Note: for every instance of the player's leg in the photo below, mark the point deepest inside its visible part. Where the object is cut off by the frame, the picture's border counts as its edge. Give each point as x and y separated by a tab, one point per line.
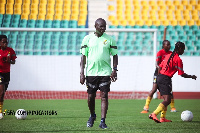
166	102
91	90
153	90
104	108
149	98
6	79
172	106
164	84
2	92
91	103
104	89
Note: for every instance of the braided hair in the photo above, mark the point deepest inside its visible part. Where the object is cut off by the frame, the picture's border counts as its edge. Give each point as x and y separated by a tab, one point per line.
178	45
2	36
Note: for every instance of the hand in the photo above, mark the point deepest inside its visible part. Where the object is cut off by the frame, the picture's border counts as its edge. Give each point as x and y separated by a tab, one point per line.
194	77
82	78
113	76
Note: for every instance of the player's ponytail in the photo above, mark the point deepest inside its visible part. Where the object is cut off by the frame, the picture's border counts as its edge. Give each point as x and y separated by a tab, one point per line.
178	45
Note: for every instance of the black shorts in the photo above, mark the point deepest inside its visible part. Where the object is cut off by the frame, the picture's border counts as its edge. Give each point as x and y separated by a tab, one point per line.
5	78
95	83
155	75
164	84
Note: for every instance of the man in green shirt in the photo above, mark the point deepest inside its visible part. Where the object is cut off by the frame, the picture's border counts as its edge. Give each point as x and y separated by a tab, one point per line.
96	48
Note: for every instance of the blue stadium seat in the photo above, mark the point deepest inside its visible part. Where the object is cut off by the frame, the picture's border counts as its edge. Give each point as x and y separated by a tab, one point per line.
1	19
15	20
56	24
189	32
73	24
64	24
192	37
22	23
47	23
39	23
186	28
194	28
197	43
6	22
31	23
196	53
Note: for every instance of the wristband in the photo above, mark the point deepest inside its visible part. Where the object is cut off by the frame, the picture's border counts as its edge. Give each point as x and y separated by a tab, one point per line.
115	68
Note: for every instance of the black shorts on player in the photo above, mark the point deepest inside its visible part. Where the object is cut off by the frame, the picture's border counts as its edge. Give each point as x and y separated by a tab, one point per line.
95	83
155	75
5	79
164	84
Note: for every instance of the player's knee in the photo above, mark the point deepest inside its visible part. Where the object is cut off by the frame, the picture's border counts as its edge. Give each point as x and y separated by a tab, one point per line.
104	95
91	96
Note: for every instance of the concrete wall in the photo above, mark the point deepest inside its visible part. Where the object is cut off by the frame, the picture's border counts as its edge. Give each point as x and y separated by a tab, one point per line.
61	73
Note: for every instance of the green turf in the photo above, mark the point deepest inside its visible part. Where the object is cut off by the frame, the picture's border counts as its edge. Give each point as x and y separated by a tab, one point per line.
123	116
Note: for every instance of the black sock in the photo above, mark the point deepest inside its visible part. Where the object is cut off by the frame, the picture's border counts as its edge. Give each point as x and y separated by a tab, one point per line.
93	115
103	120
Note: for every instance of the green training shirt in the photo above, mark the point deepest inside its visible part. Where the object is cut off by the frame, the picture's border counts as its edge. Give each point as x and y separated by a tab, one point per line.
98	51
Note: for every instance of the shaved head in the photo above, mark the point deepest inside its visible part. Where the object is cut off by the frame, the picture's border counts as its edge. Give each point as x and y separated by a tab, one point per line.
100	21
100	25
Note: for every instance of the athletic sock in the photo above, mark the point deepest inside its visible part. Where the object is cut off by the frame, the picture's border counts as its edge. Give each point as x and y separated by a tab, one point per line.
160	108
93	115
172	104
163	113
148	100
103	120
1	107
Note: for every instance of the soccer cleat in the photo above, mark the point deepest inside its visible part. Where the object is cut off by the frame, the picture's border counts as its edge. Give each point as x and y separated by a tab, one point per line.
1	116
146	109
91	120
173	110
103	125
164	120
153	117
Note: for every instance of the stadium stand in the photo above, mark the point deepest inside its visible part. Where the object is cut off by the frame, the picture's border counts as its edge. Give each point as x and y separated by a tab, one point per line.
181	17
44	14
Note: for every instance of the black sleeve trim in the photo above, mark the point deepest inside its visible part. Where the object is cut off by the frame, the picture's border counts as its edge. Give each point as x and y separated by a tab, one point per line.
83	46
115	47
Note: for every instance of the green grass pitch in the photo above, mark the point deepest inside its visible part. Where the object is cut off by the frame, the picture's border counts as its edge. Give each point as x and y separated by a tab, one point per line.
123	116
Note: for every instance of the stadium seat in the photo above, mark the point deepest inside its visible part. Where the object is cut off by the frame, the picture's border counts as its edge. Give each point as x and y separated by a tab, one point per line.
190	22
56	24
192	37
73	24
182	22
173	22
183	38
178	28
31	23
6	22
194	28
189	32
197	43
186	28
196	53
190	48
39	23
175	38
180	7
47	23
